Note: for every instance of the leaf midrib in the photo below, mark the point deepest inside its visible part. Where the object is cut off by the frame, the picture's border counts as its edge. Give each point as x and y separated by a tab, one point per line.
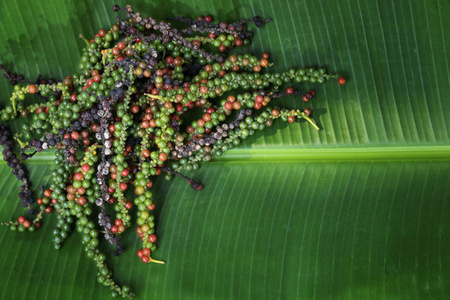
340	154
311	154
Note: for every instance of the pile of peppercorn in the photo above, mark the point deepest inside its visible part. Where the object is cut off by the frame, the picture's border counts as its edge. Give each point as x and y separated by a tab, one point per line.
151	100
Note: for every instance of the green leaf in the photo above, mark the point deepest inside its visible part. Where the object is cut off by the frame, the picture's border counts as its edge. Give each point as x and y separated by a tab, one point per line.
359	209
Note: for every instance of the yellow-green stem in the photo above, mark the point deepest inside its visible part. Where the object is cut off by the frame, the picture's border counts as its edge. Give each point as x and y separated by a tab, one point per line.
84	39
310	121
156	261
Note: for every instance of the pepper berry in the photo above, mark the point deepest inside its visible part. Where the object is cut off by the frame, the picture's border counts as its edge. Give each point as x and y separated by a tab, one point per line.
341	80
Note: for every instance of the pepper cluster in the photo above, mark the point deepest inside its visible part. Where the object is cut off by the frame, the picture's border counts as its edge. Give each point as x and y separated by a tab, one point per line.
26	195
150	100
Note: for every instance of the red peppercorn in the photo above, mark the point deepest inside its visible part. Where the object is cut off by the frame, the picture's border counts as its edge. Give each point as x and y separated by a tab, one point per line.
263	62
81	190
207	117
139	253
26	223
178	107
118	222
128	205
158	171
162	156
139	230
82	200
289	90
115	51
203	89
85	168
201	122
75	135
152	238
21	219
78	176
341	80
169	59
228	105
145	259
134	109
84	133
114	229
123	186
146	251
177	61
32	89
146	153
125	172
307	111
95	127
121	45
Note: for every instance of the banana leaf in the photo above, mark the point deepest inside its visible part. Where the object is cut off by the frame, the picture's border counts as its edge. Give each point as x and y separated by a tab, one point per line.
359	209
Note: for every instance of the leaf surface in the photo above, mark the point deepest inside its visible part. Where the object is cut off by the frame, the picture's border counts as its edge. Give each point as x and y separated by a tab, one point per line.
359	209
